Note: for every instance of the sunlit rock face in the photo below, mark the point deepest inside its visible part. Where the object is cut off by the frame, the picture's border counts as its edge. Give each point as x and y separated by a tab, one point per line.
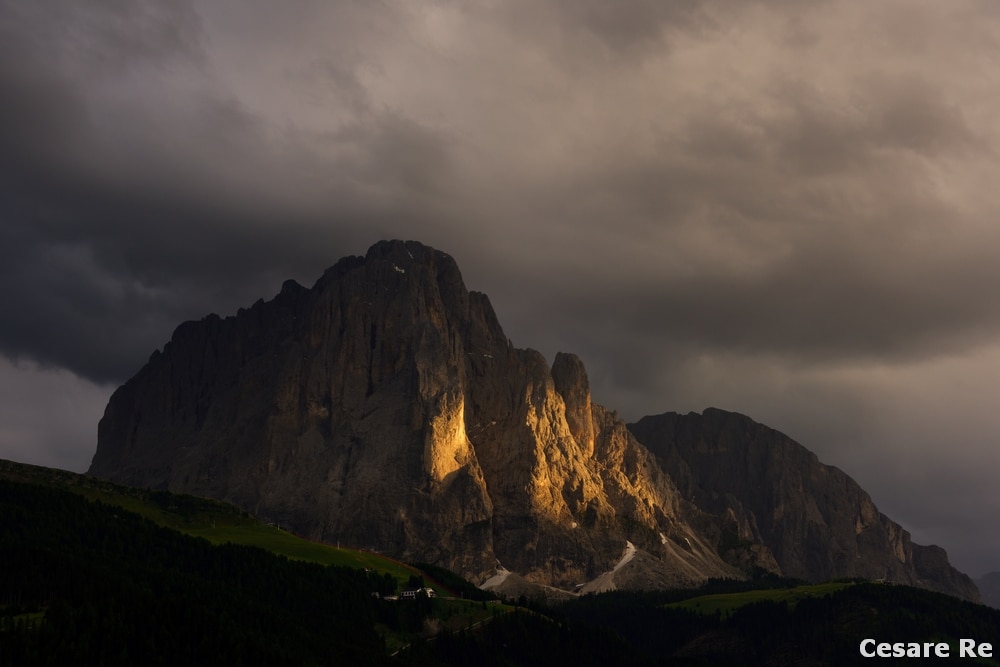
769	490
385	408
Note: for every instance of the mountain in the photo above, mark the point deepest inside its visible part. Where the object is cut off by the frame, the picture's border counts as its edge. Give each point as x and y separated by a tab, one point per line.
815	520
385	408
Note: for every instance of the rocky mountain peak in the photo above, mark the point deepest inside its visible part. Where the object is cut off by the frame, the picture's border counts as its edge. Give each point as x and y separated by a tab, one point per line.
385	408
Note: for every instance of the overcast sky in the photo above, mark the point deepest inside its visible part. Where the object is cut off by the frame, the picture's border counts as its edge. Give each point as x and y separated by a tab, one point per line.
786	209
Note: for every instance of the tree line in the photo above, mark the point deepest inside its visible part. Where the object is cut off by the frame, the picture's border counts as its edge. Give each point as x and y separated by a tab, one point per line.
83	582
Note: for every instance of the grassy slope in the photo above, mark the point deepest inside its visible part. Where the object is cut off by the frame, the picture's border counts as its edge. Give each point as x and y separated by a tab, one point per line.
727	603
216	521
823	620
222	523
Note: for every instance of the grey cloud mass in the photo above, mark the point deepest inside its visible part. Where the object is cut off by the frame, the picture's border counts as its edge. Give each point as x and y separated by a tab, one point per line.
786	209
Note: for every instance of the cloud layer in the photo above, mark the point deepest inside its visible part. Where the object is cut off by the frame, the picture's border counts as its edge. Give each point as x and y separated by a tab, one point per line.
781	208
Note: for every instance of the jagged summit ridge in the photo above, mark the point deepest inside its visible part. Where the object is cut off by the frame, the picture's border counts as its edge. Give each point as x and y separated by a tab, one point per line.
384	407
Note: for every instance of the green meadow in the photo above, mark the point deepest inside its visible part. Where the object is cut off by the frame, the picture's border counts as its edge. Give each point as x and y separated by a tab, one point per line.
726	603
213	520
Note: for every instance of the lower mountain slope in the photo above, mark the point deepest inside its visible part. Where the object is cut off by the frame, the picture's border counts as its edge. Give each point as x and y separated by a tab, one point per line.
814	519
85	582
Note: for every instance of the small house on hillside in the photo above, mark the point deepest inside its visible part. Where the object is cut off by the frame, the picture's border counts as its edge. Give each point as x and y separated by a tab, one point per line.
412	593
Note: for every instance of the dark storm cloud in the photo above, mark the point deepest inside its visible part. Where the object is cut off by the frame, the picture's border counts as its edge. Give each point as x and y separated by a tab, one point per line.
122	217
827	305
629	25
811	236
881	117
162	192
104	37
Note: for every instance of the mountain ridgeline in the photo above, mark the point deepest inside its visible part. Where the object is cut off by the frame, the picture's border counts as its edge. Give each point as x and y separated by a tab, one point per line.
815	520
385	408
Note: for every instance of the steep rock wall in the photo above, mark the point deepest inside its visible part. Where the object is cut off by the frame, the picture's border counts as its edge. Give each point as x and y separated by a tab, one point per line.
815	520
385	408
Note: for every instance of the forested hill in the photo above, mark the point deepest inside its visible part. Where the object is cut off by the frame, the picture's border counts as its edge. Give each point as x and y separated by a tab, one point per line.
85	581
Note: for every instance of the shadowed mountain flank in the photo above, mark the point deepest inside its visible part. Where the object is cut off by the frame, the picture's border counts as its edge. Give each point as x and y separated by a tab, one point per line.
385	408
768	489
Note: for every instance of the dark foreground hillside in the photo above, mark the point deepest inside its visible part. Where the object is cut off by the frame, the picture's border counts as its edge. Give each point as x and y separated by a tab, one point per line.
87	583
822	630
640	630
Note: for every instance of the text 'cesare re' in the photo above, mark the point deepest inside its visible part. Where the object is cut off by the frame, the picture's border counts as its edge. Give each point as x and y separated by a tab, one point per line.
967	648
